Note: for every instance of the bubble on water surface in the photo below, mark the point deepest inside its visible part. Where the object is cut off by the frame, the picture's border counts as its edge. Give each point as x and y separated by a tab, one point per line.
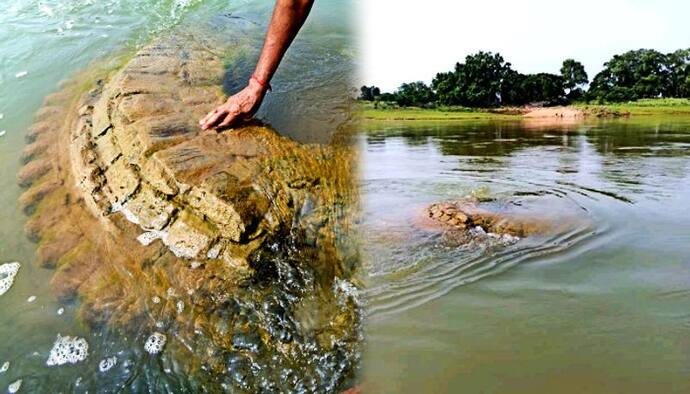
61	311
8	271
2	133
107	364
5	366
31	299
156	300
14	386
2	116
155	343
21	74
68	349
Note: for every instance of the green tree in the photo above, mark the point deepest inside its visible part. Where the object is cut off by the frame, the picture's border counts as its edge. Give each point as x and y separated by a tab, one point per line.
543	88
678	65
513	89
475	83
369	93
414	94
633	75
574	78
483	77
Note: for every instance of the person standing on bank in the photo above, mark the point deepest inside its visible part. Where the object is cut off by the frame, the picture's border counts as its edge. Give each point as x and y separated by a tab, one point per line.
288	17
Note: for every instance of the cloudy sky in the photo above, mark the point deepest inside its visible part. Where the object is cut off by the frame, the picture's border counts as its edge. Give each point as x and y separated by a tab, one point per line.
405	40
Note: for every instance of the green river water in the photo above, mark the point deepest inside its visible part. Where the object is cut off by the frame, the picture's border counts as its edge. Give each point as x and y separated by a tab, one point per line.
44	42
597	304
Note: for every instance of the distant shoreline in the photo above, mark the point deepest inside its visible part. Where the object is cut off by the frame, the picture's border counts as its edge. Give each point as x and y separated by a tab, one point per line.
646	108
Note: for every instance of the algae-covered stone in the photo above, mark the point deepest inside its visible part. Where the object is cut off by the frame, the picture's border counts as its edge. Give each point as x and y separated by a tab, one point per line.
233	232
189	236
467	214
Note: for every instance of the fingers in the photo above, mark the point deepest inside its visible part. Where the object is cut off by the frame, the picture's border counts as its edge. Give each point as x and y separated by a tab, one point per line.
230	119
213	119
207	116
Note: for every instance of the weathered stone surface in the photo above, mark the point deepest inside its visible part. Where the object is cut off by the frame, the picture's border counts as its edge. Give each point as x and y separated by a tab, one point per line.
129	200
461	215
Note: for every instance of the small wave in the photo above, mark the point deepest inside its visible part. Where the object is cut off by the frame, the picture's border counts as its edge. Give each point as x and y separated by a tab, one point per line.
449	271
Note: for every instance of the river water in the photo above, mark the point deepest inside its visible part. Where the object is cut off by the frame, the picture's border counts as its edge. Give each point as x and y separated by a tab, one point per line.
45	42
596	303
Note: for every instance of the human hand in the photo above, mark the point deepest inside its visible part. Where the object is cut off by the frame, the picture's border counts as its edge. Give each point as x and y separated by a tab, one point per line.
240	106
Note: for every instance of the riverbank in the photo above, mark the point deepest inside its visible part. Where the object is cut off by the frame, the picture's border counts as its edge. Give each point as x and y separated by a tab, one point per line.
654	107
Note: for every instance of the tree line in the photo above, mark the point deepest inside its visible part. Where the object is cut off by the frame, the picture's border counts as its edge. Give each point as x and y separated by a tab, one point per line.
485	80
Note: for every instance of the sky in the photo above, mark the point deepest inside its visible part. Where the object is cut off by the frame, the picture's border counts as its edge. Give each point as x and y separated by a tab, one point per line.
405	41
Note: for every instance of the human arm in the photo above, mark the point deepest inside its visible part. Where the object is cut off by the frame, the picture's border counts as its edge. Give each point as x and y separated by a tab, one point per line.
288	17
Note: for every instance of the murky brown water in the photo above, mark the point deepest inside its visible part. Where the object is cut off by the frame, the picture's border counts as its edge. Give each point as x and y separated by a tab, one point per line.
598	304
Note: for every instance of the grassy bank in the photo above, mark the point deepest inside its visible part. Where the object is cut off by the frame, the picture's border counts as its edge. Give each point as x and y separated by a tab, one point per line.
650	107
440	113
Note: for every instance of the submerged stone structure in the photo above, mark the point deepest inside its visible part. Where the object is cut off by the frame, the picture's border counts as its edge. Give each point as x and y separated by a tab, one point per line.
467	214
236	245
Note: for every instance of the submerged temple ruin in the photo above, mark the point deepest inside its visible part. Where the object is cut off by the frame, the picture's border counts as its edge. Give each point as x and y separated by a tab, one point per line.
237	244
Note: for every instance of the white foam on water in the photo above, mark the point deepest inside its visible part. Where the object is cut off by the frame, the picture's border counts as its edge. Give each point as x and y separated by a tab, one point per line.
68	349
2	116
2	133
346	289
21	74
61	311
45	10
5	366
31	299
180	306
8	272
156	300
14	386
503	239
155	343
107	363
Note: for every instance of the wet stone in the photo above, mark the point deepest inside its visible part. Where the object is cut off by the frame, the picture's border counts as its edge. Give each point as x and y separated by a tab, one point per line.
248	342
250	223
462	215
